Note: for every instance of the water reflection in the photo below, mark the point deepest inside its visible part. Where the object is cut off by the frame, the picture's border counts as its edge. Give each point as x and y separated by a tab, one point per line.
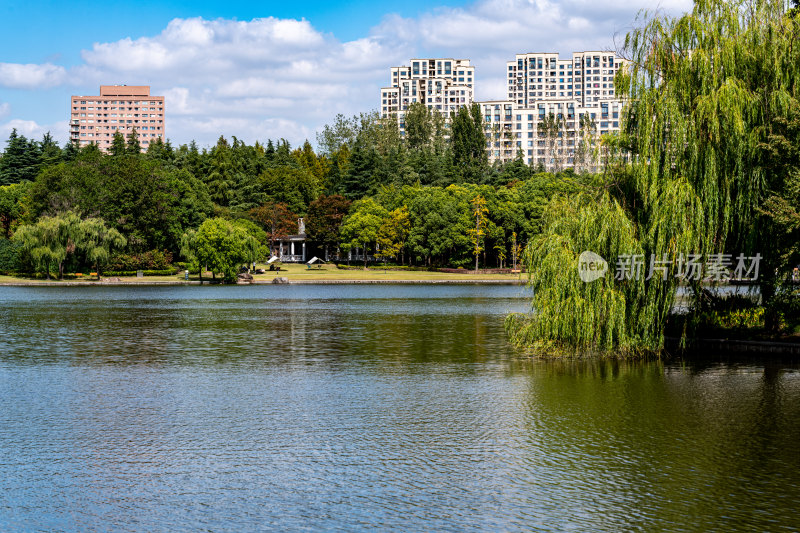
367	408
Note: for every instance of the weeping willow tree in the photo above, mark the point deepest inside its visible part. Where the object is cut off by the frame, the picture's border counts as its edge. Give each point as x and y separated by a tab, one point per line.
703	92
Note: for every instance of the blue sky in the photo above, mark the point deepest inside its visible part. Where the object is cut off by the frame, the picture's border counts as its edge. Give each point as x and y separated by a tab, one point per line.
262	70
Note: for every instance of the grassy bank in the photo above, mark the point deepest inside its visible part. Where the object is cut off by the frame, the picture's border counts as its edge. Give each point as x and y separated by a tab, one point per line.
298	273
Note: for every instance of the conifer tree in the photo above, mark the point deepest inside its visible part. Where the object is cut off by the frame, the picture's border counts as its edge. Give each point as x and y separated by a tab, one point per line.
133	147
117	145
20	160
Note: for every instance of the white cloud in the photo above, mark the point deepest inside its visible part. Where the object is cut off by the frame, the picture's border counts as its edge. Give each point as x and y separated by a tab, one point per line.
491	32
245	78
33	130
5	109
31	76
270	77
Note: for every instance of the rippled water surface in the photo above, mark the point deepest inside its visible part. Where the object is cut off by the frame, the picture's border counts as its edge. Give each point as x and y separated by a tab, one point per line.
367	407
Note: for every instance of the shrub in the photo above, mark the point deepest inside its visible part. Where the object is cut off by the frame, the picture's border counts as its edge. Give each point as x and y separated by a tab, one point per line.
150	260
786	305
163	272
10	256
746	318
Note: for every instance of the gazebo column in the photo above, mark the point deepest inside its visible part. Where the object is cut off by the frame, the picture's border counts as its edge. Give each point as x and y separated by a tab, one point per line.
304	251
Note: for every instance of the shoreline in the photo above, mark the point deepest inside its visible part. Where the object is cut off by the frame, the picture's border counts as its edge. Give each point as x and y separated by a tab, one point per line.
156	283
734	347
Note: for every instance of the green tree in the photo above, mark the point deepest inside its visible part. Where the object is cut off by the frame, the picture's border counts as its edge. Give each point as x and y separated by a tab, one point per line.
779	222
317	166
219	177
393	234
324	219
148	203
49	241
419	126
478	231
53	239
221	246
256	231
333	137
291	185
132	146
514	171
440	222
12	204
338	170
469	143
360	227
161	151
783	210
49	151
362	177
10	256
20	160
117	147
97	241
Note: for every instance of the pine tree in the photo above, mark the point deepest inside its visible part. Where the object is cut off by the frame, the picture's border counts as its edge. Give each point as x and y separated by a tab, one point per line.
133	147
361	178
70	151
117	145
49	151
20	161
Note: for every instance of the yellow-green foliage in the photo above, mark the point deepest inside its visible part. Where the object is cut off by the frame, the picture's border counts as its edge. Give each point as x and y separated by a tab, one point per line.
748	318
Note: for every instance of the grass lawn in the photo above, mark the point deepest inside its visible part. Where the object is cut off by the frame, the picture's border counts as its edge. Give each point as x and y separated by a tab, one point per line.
329	272
300	273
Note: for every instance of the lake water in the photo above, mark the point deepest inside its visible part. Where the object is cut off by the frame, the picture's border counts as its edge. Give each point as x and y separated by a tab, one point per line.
368	408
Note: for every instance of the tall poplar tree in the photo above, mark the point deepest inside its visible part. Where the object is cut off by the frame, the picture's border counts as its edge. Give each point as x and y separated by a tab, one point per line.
469	143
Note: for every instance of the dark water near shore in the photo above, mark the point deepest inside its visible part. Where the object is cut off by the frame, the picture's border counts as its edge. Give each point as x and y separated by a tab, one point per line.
367	407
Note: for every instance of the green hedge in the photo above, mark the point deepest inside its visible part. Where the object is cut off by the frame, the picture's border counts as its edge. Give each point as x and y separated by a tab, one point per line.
379	266
166	272
150	260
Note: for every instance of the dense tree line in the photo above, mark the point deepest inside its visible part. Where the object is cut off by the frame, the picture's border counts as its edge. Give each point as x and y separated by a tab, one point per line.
400	199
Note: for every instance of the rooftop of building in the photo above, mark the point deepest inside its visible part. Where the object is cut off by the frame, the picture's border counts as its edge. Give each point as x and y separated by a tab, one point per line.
123	90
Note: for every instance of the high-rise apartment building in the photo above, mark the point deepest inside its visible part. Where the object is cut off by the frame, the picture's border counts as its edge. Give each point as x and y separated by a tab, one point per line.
585	79
442	84
578	93
123	108
556	109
